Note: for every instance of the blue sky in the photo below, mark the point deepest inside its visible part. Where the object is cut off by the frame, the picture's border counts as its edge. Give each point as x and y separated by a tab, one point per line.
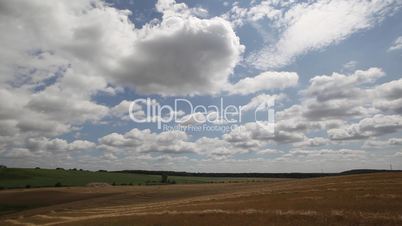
70	70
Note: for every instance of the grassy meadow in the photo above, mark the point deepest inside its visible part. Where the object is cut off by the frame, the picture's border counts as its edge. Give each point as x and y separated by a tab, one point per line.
29	178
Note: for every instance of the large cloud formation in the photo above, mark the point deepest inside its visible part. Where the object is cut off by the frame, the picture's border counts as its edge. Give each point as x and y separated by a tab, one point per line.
180	55
56	56
306	26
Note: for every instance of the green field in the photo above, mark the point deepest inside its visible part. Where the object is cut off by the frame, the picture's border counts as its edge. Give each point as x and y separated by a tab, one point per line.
20	178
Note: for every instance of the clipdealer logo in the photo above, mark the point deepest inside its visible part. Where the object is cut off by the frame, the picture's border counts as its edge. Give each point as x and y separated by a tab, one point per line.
184	115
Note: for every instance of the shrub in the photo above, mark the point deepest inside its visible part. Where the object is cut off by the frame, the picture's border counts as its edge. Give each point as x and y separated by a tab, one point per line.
58	184
114	183
164	178
28	186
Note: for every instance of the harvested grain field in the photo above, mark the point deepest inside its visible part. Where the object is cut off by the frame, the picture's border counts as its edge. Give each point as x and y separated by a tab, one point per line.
369	199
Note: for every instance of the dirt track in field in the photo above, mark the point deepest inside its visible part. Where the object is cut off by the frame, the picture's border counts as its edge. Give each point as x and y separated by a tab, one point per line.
371	199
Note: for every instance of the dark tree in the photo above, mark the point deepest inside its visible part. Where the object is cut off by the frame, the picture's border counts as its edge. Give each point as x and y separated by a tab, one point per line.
164	178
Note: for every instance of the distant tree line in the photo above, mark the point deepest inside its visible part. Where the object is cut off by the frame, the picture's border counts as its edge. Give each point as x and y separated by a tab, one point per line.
256	175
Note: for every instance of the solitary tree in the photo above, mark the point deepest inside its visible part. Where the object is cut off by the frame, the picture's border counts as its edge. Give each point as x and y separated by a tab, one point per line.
164	178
